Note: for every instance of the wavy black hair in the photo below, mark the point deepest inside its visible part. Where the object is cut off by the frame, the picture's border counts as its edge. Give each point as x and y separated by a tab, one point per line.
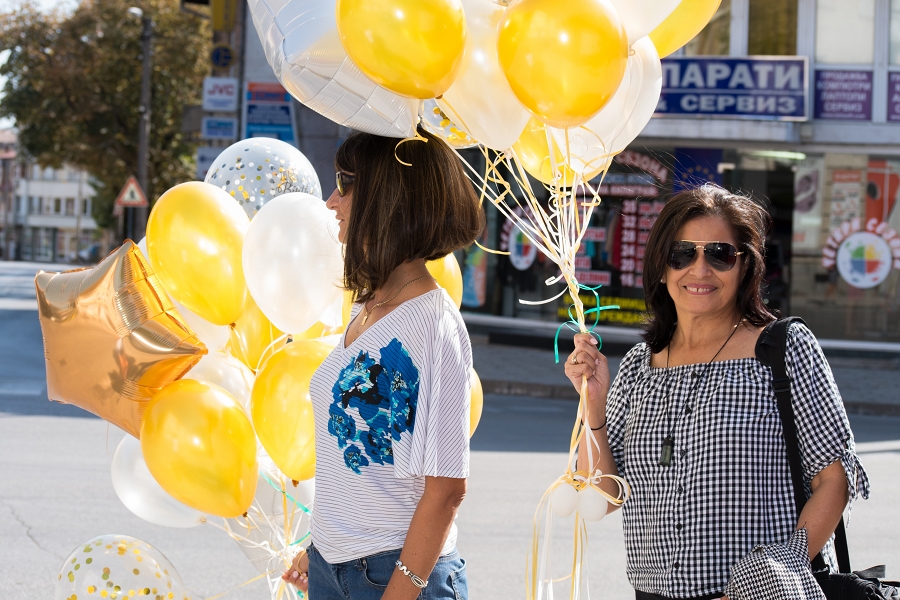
749	221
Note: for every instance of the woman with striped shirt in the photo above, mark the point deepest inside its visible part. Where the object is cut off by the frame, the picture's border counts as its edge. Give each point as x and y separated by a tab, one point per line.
391	402
692	420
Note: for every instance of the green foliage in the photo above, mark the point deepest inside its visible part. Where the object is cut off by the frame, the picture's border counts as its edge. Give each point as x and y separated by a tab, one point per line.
74	84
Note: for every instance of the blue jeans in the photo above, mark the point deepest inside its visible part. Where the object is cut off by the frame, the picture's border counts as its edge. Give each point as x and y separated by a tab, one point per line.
367	578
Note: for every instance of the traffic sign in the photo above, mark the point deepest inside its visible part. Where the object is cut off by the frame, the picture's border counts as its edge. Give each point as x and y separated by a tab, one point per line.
131	195
222	56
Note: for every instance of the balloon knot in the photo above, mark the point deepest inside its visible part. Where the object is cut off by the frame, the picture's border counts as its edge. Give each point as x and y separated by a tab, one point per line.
244	515
295	482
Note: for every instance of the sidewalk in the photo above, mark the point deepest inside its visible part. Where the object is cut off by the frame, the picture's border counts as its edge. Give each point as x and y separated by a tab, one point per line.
868	386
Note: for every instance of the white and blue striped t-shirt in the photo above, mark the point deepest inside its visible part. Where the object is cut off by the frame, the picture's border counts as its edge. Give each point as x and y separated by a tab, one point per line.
390	409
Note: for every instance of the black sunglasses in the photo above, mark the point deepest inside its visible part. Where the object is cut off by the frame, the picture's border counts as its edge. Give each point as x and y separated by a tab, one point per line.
343	181
721	256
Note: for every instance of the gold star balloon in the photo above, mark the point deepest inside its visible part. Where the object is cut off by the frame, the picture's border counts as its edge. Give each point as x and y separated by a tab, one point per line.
112	337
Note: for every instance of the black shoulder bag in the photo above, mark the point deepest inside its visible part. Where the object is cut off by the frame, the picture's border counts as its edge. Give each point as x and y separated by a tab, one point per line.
846	585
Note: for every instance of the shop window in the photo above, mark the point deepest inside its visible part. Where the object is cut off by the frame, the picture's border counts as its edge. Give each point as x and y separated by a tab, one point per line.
715	39
773	27
845	31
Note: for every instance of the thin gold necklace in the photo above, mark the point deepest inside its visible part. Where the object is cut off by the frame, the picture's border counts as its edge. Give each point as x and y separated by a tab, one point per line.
367	312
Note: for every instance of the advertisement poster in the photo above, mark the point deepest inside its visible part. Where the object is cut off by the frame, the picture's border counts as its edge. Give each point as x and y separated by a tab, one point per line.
269	112
844	95
808	180
882	185
846	196
893	113
474	274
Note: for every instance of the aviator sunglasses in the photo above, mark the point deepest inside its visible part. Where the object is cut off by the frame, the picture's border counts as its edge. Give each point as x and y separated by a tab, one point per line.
720	256
343	181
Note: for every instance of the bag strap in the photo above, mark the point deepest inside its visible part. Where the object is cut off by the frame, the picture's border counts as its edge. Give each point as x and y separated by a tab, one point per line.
771	349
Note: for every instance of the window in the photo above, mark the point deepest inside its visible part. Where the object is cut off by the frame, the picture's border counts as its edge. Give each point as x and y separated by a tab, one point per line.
773	27
48	174
895	32
57	206
86	207
715	39
845	31
70	206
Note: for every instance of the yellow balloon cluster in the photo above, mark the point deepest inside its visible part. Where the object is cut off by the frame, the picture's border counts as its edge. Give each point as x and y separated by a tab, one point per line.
251	339
685	22
563	60
412	47
195	236
199	446
281	408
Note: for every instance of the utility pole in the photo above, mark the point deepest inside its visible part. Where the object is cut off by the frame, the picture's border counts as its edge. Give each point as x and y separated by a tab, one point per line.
138	221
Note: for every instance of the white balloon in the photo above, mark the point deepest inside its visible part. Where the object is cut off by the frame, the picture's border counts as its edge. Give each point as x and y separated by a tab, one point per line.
592	505
293	261
564	499
334	315
226	372
640	17
140	493
624	116
214	336
256	170
304	49
480	100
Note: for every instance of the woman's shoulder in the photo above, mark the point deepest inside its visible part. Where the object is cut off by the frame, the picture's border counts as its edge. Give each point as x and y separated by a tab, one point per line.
635	360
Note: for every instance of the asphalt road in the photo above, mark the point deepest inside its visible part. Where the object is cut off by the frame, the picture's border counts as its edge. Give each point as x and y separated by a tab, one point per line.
56	492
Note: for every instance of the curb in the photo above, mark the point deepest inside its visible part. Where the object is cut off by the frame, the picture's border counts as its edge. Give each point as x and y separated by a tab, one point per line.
566	392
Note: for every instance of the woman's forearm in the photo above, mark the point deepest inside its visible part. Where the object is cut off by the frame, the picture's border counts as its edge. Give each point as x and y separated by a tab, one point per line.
600	451
427	534
823	510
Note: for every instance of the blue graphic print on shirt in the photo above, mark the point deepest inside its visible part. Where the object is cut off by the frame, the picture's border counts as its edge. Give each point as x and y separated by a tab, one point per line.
385	395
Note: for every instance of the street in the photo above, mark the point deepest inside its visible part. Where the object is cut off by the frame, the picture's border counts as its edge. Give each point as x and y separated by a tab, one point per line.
56	492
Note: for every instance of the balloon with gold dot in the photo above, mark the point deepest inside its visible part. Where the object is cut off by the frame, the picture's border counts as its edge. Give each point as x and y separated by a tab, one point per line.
112	567
436	122
255	170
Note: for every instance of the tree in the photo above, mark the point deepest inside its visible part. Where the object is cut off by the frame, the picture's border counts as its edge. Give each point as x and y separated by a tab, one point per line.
74	83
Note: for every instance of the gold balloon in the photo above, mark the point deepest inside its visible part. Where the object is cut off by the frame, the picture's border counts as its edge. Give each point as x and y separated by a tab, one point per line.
533	152
680	27
477	405
563	60
411	47
112	338
194	240
252	336
199	446
448	275
282	410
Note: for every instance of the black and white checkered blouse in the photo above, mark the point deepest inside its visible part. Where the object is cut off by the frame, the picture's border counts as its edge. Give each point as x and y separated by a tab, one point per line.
728	488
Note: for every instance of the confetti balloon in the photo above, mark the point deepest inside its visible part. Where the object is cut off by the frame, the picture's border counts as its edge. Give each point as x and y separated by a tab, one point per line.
254	171
117	566
436	122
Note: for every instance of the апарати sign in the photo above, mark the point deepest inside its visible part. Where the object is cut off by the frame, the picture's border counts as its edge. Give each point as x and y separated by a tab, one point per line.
753	87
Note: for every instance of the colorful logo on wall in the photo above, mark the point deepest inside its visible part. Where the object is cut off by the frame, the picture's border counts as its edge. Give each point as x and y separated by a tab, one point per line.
522	251
862	257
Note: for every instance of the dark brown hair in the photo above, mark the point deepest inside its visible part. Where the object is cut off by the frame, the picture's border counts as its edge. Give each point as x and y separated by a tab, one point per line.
399	212
749	223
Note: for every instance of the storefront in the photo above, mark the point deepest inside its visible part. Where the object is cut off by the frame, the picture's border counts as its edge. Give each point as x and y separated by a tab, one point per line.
796	102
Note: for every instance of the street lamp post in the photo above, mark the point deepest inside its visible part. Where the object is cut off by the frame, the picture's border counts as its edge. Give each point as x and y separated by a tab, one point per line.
138	221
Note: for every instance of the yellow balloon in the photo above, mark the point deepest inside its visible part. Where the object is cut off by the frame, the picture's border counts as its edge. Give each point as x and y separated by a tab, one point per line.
477	405
685	22
199	446
347	307
194	239
282	410
563	60
252	335
533	152
448	275
412	47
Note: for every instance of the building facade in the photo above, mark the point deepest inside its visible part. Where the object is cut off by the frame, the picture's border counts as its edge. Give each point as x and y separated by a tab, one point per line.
52	216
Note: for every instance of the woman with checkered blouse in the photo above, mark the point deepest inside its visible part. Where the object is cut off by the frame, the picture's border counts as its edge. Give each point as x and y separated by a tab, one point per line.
691	421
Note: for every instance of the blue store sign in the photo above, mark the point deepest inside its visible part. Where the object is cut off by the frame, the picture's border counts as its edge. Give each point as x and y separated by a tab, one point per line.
771	88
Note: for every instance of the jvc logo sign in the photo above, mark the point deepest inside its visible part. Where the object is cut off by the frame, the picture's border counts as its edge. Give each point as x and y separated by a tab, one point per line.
220	94
757	88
